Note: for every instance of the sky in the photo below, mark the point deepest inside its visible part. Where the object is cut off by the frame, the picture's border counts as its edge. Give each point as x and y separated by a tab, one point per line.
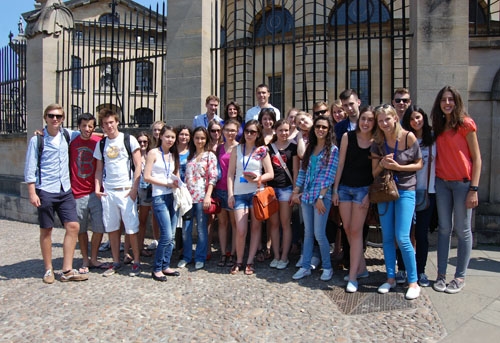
11	11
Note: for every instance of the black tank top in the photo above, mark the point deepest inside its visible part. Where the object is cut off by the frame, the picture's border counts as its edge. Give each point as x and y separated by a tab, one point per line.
357	167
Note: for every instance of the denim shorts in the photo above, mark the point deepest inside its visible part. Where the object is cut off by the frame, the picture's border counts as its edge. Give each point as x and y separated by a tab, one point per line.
352	194
222	196
284	194
243	201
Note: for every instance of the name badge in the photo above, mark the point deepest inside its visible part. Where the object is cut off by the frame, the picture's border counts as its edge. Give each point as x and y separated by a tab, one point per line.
243	180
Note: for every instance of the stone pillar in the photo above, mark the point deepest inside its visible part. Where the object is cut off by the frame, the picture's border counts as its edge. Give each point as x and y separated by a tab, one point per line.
41	65
439	51
189	60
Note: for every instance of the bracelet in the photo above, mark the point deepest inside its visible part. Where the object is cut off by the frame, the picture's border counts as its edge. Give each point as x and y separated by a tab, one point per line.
473	188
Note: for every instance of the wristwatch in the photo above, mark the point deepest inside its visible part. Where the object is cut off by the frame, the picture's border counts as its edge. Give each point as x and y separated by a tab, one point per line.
473	188
321	197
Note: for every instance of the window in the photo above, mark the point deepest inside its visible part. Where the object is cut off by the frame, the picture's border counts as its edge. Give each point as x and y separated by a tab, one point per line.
143	116
144	76
109	19
362	88
273	21
76	72
276	98
75	112
109	74
362	11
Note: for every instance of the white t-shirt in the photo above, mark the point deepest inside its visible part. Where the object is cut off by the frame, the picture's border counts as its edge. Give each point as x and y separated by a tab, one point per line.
117	172
253	113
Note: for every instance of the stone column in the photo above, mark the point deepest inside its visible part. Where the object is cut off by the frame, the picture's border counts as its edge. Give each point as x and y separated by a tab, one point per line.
439	51
41	65
189	60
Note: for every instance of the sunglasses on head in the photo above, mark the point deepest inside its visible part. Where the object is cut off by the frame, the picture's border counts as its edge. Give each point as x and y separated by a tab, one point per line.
399	100
52	116
384	106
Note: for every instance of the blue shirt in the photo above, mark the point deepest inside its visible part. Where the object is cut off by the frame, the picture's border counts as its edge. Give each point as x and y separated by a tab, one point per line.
54	163
202	120
319	174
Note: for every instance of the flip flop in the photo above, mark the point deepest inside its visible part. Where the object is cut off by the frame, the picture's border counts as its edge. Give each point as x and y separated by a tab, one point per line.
83	270
100	266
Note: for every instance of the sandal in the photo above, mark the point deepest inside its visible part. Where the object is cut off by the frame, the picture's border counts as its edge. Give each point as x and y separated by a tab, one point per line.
127	259
83	270
236	268
260	257
222	261
249	269
230	261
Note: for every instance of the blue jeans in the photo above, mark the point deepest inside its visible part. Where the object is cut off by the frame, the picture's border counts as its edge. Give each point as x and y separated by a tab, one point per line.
166	217
450	198
422	233
315	227
396	219
200	254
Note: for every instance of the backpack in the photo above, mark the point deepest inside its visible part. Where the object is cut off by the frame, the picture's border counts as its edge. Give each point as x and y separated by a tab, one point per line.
126	141
40	144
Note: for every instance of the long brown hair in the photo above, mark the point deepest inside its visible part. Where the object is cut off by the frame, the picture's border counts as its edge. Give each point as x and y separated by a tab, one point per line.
457	115
313	141
173	148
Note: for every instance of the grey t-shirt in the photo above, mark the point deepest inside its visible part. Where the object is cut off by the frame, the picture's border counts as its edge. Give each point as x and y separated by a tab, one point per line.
405	180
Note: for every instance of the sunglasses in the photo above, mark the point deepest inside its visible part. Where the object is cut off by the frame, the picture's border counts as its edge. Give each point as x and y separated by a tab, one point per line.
399	100
322	127
384	106
52	116
317	113
143	142
215	131
251	132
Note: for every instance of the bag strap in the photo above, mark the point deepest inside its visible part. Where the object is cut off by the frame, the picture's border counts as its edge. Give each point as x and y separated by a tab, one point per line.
429	167
283	164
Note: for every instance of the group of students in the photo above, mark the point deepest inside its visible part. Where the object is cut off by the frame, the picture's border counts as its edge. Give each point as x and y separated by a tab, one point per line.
317	161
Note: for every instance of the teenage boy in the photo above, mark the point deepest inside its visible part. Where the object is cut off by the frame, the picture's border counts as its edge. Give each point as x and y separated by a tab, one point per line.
350	104
401	100
262	94
212	104
47	174
120	184
88	205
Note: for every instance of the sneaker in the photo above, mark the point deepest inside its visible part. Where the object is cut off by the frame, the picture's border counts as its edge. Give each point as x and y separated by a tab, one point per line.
199	265
423	281
182	264
112	269
73	275
301	273
327	275
401	277
386	287
299	262
153	245
440	284
362	275
455	286
282	265
104	246
315	262
135	271
274	263
412	293
48	277
352	287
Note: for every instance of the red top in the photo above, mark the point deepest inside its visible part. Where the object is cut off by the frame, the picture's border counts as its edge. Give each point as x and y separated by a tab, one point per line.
453	158
82	165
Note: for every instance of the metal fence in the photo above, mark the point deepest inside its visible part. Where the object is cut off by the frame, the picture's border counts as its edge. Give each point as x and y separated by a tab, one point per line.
115	62
13	88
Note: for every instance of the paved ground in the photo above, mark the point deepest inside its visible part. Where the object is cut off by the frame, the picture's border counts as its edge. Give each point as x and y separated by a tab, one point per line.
211	305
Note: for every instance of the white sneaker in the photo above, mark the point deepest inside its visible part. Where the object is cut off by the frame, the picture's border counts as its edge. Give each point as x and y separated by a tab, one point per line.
199	265
386	287
412	293
315	262
299	262
352	287
282	265
153	245
327	275
301	273
182	264
274	263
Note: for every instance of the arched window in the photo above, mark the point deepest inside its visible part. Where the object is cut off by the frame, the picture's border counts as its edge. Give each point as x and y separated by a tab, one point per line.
76	72
274	21
109	18
144	76
143	116
362	11
109	74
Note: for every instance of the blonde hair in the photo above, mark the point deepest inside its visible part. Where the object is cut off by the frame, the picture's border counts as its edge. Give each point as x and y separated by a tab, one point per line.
388	110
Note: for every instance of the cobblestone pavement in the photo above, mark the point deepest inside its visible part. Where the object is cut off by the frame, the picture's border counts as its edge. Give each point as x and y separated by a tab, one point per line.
203	306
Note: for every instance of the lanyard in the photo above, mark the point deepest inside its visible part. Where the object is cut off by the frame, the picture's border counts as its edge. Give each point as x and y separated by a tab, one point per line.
165	164
244	165
394	156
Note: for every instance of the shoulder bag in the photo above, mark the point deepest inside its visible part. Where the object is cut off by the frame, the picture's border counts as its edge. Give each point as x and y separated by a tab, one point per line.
422	195
265	203
384	188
